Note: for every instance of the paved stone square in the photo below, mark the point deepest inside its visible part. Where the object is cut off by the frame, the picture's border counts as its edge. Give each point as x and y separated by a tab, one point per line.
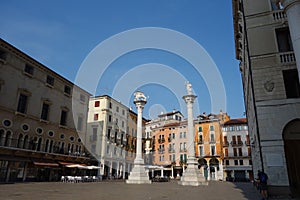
116	190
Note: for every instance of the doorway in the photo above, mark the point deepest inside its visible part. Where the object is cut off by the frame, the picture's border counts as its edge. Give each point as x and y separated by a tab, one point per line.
291	136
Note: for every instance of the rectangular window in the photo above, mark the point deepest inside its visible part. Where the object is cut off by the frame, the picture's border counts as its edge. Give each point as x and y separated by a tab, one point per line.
240	152
170	158
82	98
200	129
236	162
67	90
200	138
97	103
233	140
79	123
22	104
184	134
123	112
211	128
108	133
109	118
50	80
173	135
241	162
249	151
117	109
201	151
181	157
96	116
184	157
212	150
29	69
291	83
227	162
95	130
234	152
63	118
45	111
110	105
212	137
2	55
284	40
250	162
226	152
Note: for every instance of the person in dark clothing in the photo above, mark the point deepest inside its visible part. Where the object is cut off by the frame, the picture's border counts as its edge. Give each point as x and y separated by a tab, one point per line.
263	184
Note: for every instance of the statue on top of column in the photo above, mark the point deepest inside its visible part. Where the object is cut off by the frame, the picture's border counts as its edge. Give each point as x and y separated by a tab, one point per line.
189	88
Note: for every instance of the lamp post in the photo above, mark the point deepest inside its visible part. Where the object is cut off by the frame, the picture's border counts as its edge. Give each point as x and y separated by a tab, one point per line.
191	176
138	175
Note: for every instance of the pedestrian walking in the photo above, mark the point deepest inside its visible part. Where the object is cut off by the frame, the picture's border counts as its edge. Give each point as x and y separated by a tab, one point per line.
262	177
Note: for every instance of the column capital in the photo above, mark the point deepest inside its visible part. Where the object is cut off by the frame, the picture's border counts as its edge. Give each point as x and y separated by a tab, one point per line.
190	98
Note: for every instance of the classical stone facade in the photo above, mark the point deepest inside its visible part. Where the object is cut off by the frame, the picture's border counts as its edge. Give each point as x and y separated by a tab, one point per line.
39	131
267	45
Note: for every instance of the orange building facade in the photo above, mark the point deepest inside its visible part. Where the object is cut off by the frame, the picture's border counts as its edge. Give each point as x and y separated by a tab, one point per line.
208	144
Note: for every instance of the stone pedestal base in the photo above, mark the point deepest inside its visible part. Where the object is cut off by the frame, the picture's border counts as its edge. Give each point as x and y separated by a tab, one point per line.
192	177
138	175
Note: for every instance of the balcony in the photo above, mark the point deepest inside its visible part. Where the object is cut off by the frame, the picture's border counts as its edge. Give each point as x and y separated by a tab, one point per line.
212	141
161	151
236	143
287	57
225	144
171	150
161	140
247	142
279	15
200	141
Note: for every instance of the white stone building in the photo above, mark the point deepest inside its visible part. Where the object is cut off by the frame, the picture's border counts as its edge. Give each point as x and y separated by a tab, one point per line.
107	129
237	161
39	130
267	44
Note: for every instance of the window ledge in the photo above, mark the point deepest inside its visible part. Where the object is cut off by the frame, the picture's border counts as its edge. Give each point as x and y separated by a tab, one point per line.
68	95
62	126
27	74
19	113
49	85
44	121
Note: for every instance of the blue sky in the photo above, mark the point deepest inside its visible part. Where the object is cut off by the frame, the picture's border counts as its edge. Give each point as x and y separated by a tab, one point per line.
61	34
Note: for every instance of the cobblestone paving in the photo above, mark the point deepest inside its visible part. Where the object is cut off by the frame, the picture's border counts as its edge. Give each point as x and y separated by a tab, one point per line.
117	190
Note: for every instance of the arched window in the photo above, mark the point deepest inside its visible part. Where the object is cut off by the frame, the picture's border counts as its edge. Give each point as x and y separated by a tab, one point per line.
8	138
51	146
2	137
25	142
20	141
39	145
46	146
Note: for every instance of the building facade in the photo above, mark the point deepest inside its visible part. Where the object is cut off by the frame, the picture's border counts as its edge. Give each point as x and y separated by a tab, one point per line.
169	139
208	141
107	129
237	161
112	132
39	132
267	44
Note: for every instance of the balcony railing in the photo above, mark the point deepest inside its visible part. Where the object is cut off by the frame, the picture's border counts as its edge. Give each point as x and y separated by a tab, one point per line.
200	141
279	15
225	144
287	57
171	150
236	143
161	151
161	140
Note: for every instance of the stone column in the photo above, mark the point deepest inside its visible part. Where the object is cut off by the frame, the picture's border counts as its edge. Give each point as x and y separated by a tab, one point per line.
292	10
191	176
138	175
